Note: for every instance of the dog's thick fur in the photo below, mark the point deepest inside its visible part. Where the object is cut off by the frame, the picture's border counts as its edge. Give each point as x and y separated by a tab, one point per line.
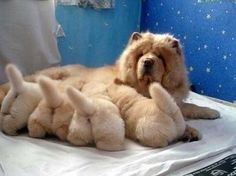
19	102
54	112
169	69
165	54
154	122
96	119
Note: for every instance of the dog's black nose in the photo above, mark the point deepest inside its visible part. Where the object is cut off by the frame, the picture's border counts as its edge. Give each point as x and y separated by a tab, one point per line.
148	63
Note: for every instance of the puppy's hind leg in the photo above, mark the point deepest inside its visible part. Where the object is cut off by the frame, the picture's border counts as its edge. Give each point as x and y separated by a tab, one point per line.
10	125
190	135
39	122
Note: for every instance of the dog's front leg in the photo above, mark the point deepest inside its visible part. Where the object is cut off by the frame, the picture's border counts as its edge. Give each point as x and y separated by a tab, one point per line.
193	111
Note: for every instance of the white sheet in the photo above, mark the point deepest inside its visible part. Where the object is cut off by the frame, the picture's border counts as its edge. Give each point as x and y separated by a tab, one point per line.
23	156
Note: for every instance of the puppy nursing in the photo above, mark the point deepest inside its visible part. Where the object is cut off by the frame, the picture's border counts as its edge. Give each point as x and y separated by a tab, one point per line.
19	102
54	112
153	122
96	119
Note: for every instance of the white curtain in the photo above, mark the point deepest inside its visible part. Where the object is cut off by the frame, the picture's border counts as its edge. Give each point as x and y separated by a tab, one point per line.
27	35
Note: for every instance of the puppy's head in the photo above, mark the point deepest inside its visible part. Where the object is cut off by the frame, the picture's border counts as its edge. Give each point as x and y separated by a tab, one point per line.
150	58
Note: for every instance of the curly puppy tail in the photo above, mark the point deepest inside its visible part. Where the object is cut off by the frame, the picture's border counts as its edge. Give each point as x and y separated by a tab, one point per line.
163	99
16	87
15	78
50	92
80	102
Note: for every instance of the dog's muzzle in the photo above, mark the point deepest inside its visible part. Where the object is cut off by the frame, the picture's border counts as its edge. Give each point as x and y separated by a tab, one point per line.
147	65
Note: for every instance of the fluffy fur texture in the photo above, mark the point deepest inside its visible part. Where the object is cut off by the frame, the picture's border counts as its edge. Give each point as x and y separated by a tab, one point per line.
54	112
162	54
151	58
96	119
19	102
147	58
154	122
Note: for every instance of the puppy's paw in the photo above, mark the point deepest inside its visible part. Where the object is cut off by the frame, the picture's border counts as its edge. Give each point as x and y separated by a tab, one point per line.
108	146
75	139
62	132
190	135
9	125
35	129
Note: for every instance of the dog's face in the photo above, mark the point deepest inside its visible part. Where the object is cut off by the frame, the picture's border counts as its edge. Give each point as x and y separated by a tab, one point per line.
149	65
152	58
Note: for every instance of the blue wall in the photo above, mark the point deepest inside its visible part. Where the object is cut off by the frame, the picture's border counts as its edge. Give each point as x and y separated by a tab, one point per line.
207	30
96	37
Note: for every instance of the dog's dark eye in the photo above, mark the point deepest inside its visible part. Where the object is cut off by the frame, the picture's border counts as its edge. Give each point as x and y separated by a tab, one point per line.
140	55
160	57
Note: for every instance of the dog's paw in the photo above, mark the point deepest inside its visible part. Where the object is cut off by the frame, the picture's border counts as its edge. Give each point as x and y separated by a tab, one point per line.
190	135
211	114
9	125
35	129
62	132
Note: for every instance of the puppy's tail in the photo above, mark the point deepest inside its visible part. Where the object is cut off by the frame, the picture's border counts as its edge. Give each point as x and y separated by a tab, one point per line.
163	99
15	78
50	92
80	102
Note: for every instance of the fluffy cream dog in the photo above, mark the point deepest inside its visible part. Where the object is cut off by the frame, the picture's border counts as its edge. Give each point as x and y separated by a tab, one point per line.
19	102
54	112
154	122
159	58
96	119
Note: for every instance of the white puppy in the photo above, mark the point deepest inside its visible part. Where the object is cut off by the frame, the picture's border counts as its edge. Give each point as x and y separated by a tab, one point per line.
20	101
96	119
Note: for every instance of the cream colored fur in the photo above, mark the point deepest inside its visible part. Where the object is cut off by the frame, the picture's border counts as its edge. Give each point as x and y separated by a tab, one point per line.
153	122
54	112
96	119
169	70
19	102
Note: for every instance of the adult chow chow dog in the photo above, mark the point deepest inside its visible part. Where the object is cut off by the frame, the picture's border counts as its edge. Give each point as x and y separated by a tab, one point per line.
151	58
147	58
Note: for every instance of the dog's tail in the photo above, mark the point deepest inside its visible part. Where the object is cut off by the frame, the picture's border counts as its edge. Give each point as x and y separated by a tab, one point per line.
163	99
80	102
50	92
16	86
15	78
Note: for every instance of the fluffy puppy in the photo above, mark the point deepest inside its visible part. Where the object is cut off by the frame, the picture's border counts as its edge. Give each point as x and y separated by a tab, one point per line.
159	58
54	112
154	122
96	119
20	101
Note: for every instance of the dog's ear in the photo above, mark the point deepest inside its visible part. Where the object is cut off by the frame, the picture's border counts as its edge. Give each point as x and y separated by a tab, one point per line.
134	37
176	44
80	102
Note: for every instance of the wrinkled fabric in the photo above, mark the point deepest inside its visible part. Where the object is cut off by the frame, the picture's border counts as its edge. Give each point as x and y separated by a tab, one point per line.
24	156
96	4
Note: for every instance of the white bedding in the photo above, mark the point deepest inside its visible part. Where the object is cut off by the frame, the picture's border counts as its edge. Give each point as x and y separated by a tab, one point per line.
24	156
